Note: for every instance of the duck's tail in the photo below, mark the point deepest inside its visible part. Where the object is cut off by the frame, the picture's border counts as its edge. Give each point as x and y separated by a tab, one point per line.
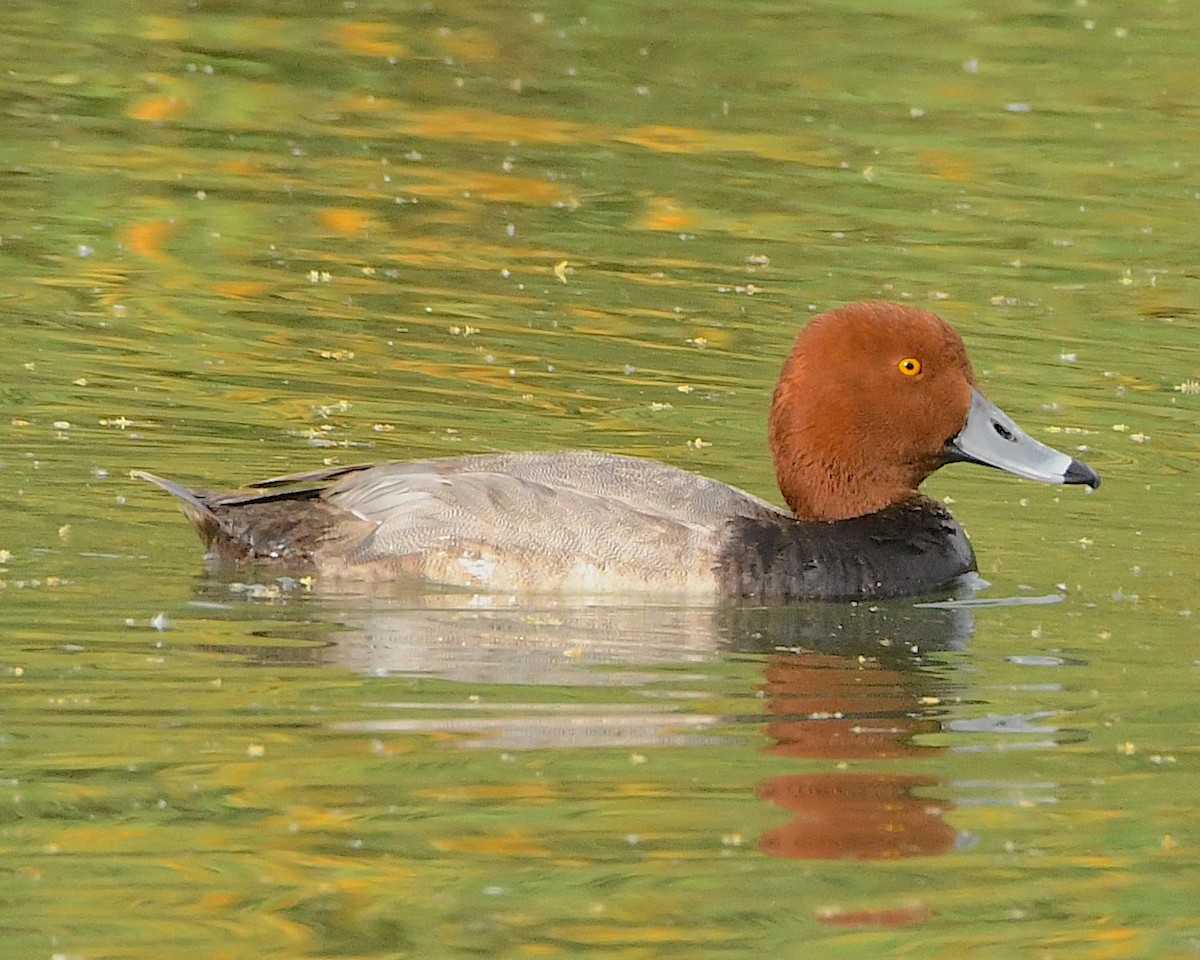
206	523
275	526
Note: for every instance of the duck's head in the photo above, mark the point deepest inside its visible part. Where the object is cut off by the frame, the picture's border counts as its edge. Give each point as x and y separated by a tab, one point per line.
876	396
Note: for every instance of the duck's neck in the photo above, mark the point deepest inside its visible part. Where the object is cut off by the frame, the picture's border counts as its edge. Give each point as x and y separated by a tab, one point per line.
827	481
829	467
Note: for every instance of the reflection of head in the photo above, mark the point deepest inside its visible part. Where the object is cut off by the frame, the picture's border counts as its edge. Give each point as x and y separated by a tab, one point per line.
847	708
859	707
855	816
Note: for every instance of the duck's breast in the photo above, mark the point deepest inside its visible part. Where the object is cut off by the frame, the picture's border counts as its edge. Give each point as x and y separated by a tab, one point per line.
910	548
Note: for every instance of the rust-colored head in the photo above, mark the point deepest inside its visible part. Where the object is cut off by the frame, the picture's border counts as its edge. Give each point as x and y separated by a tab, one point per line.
865	405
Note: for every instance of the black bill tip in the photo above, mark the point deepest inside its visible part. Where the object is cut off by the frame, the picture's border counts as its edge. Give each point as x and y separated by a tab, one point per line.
1079	472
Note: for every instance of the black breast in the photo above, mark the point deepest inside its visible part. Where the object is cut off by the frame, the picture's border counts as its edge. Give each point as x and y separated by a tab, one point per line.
908	549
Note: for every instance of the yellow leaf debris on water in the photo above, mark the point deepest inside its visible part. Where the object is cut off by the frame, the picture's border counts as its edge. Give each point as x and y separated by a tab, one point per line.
666	213
513	844
241	289
162	29
368	39
158	108
344	221
947	166
148	238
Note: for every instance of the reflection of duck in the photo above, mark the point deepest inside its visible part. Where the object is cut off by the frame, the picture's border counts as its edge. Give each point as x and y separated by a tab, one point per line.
389	630
873	398
662	666
667	654
862	706
849	708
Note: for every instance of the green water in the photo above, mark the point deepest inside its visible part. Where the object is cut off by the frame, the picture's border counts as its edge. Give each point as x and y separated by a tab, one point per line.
238	240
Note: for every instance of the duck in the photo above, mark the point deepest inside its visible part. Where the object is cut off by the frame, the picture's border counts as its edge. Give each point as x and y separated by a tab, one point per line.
872	399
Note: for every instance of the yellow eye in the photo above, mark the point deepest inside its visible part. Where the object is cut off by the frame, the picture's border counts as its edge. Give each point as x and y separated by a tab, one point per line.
909	366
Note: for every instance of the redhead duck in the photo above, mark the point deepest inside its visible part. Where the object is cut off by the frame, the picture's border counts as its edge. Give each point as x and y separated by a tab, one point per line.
873	398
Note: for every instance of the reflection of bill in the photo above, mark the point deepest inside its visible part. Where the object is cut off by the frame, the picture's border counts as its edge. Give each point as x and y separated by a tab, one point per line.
847	708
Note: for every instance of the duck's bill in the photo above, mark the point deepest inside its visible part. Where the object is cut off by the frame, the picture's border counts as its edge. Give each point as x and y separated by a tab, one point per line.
991	438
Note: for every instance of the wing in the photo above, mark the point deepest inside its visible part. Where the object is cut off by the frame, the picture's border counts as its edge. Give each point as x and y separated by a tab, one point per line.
533	521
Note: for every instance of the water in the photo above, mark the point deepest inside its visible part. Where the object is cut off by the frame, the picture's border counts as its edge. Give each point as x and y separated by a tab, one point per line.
240	241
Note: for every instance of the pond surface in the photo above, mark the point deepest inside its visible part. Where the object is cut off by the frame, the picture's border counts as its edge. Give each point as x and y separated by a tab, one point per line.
240	240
